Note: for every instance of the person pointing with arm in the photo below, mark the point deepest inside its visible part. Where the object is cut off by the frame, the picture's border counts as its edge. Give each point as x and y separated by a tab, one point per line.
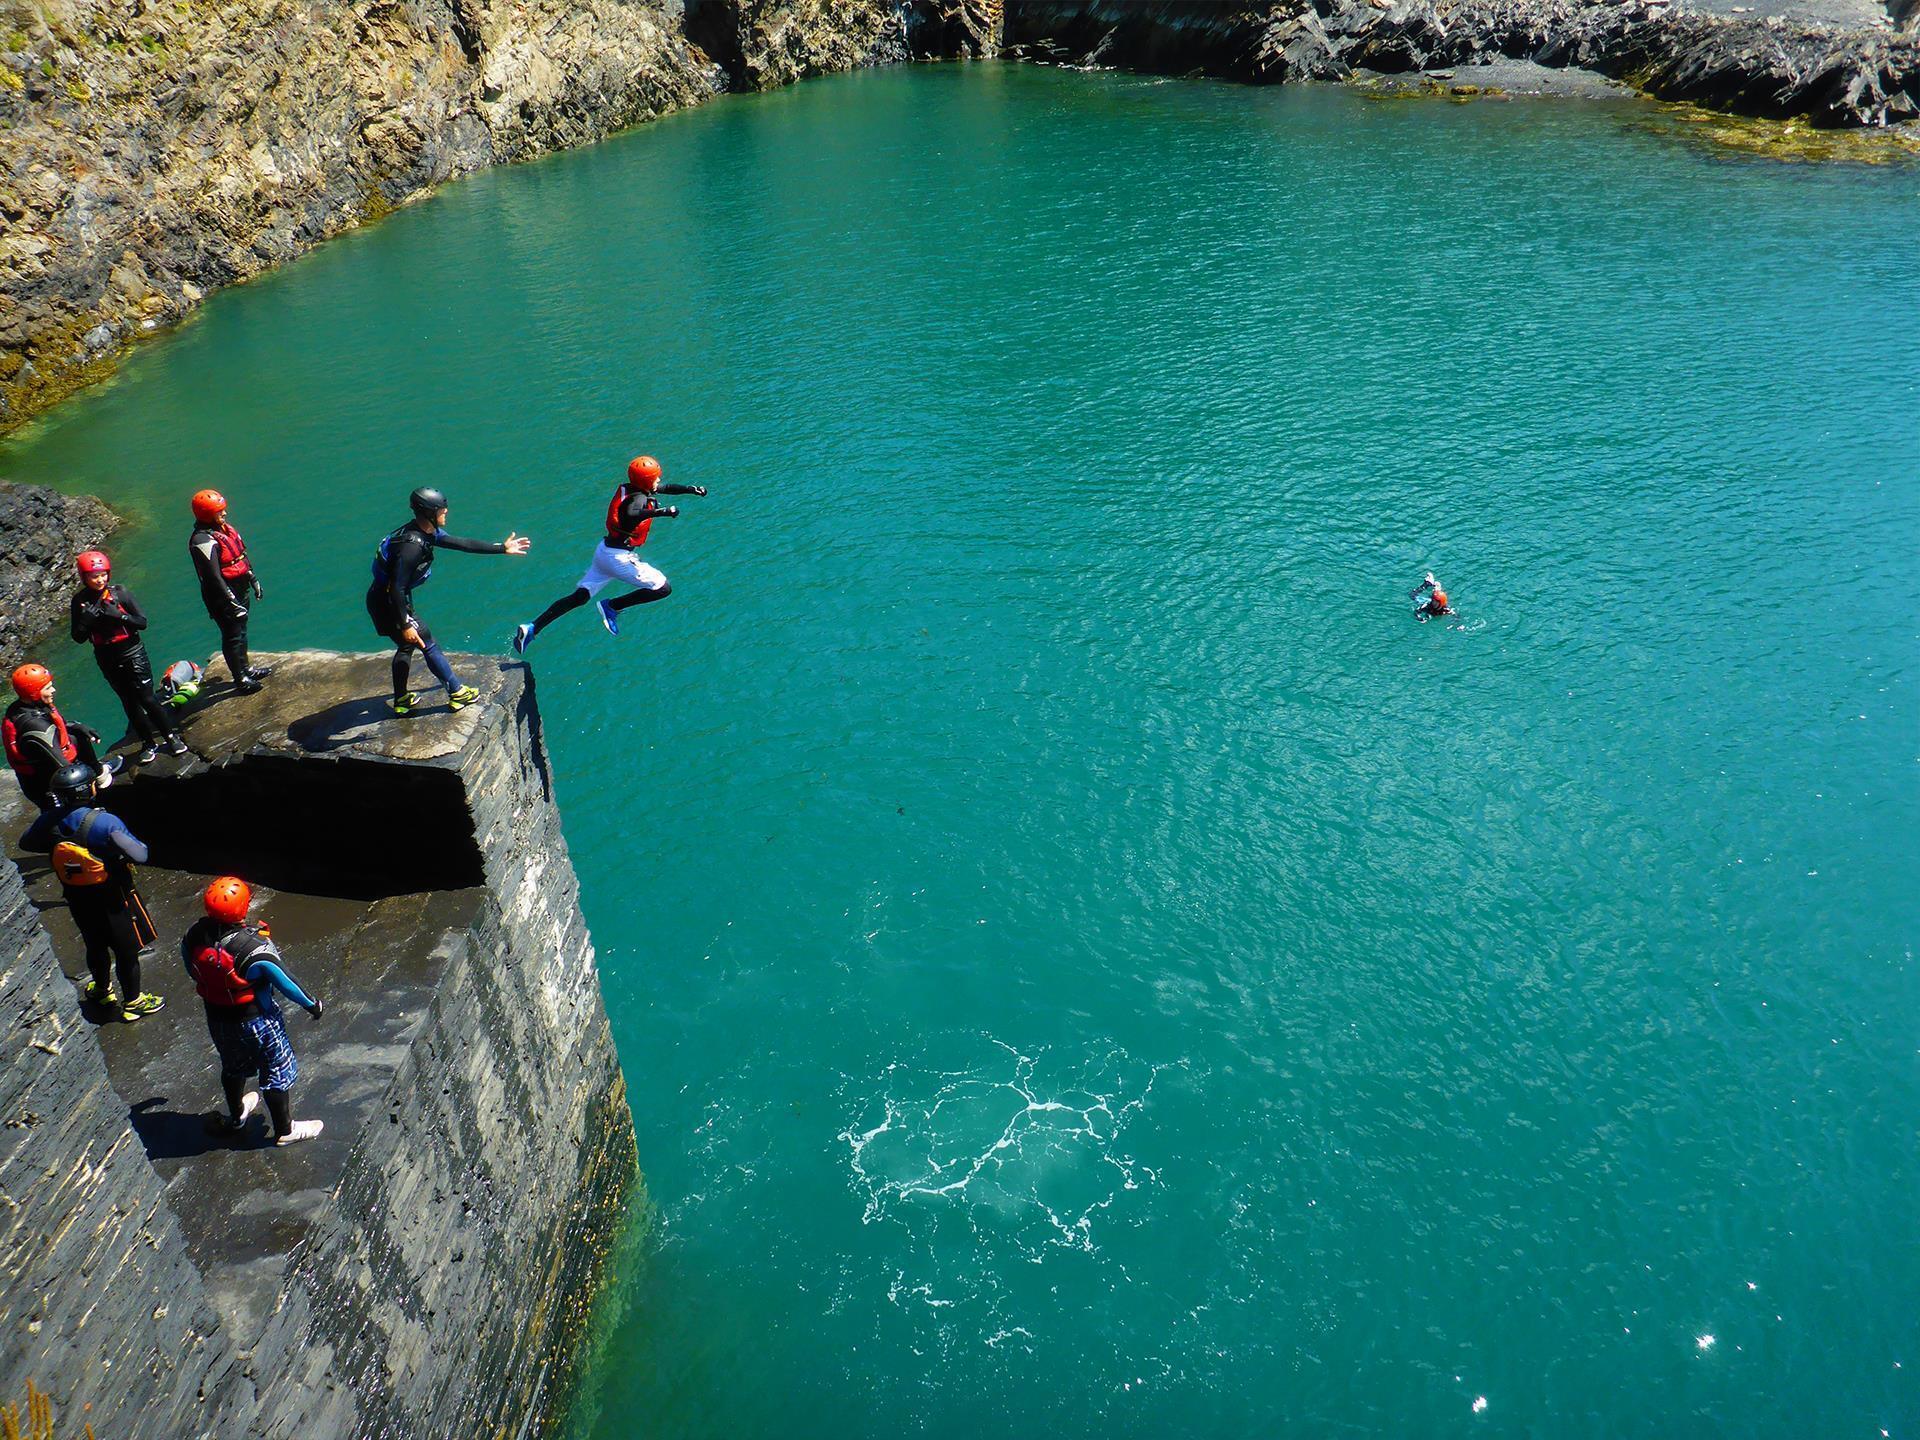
402	563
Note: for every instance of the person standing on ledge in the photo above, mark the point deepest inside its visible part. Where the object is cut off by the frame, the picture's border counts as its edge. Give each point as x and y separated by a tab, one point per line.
109	616
401	565
630	514
235	969
1429	600
227	585
40	743
93	856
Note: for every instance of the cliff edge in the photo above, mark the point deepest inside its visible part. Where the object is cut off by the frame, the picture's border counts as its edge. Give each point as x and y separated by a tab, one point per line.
426	1268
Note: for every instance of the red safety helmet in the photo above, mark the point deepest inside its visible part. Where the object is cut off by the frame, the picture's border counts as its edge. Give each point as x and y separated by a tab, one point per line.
644	471
1440	598
208	505
227	899
30	682
92	562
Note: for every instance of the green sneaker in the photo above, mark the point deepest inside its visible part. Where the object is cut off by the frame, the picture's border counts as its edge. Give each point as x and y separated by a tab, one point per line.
142	1004
403	704
461	698
98	994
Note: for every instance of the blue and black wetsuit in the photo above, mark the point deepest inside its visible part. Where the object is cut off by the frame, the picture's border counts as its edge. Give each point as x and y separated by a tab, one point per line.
102	912
402	563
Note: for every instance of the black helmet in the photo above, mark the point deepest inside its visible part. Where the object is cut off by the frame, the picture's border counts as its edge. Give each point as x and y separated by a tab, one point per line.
427	502
72	785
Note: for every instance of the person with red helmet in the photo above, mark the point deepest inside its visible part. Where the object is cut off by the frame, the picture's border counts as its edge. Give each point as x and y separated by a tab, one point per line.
228	585
40	742
235	969
110	618
1429	600
630	514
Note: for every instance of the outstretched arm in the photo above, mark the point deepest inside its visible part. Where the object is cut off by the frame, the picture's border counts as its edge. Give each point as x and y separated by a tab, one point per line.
679	489
444	541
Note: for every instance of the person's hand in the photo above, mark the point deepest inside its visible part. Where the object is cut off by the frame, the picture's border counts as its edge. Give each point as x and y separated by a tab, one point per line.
410	634
517	544
1430	579
700	490
259	593
319	1008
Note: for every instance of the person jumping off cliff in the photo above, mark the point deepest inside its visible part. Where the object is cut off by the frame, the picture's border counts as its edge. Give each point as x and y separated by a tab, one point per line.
630	514
401	565
235	969
228	585
1429	600
107	615
40	743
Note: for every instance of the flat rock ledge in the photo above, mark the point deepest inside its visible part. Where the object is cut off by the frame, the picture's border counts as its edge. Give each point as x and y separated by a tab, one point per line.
428	1267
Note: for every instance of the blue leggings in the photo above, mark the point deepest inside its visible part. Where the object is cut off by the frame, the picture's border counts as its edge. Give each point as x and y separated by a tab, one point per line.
430	652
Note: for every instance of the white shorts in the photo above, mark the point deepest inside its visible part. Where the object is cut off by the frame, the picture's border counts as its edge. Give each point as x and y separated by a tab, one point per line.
616	566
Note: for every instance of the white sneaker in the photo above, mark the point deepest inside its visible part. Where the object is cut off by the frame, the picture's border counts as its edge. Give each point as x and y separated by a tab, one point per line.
249	1107
302	1130
609	617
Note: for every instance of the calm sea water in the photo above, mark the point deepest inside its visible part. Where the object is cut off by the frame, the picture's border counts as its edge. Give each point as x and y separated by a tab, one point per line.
1087	962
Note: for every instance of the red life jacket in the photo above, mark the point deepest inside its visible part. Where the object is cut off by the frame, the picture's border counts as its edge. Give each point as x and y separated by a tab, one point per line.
233	553
102	636
617	534
214	975
10	733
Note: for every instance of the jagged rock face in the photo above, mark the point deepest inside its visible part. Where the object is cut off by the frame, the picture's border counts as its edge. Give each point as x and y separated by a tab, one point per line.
1750	64
156	149
40	533
764	44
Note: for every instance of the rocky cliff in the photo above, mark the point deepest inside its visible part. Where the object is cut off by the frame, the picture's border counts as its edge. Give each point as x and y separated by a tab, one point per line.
426	1268
158	149
40	533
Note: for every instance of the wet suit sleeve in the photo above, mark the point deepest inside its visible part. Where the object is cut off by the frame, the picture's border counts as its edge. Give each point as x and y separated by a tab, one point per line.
402	560
107	828
131	614
42	744
206	561
81	619
678	490
261	970
444	541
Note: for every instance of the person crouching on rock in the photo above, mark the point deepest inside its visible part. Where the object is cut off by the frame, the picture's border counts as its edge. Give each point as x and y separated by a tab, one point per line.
616	559
107	615
93	857
1429	600
401	565
228	585
235	969
41	742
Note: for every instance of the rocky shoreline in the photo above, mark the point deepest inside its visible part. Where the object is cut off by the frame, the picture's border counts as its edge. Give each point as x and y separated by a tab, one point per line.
157	150
41	531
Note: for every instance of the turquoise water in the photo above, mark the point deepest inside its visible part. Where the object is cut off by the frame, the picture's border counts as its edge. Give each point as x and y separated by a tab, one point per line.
1086	961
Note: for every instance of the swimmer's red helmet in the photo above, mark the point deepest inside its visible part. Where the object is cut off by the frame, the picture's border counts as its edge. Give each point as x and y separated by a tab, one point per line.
207	505
227	898
643	471
92	562
30	682
1440	598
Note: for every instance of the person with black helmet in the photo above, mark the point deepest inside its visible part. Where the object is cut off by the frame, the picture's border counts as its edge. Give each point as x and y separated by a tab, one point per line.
228	585
93	856
401	564
107	615
40	742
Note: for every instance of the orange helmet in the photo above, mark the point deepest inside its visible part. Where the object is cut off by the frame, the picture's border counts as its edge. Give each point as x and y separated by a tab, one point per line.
1440	598
30	682
227	899
92	562
207	505
644	471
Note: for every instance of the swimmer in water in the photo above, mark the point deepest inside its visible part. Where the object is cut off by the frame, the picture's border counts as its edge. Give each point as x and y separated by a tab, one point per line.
1429	600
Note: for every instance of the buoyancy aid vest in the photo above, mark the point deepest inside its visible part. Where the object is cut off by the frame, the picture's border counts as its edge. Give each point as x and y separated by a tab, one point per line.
617	532
10	729
234	564
112	634
215	966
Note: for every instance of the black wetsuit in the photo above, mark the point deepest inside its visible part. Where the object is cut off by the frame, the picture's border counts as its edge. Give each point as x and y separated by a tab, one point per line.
226	596
112	622
402	563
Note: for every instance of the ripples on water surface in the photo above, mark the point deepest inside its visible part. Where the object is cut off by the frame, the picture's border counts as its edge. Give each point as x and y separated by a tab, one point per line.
1086	962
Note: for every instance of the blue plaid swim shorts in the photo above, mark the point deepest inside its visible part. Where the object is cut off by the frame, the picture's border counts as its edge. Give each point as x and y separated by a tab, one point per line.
255	1046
